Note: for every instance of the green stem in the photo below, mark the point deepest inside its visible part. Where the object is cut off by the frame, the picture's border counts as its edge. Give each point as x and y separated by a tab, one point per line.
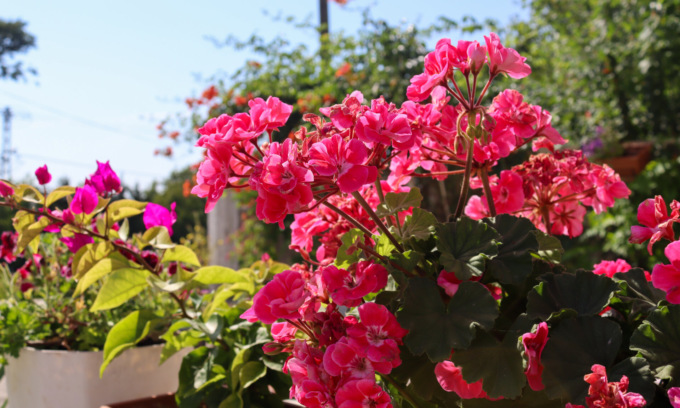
407	396
466	179
349	218
377	220
487	192
379	190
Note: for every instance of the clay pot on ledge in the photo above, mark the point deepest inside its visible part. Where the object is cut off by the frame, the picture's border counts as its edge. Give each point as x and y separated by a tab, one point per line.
635	157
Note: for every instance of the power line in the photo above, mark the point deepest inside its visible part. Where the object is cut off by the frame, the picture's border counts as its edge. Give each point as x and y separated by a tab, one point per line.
78	119
47	159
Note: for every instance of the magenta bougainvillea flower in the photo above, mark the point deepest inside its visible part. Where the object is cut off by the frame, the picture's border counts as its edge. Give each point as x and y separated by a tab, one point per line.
85	200
653	214
5	189
674	396
156	215
667	277
43	175
8	243
105	181
534	343
77	241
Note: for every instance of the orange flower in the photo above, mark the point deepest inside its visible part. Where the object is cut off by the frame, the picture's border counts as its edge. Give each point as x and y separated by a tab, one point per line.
343	70
186	188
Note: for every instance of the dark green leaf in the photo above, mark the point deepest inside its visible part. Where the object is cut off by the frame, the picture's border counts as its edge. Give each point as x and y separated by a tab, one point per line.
584	292
419	225
573	347
396	202
513	263
498	364
465	245
658	341
472	306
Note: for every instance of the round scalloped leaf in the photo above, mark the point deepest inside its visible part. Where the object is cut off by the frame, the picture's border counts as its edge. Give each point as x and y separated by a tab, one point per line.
433	327
465	246
584	292
572	348
498	364
658	341
513	263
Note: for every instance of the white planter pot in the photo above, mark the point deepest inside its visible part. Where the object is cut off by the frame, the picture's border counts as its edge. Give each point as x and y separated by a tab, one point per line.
70	379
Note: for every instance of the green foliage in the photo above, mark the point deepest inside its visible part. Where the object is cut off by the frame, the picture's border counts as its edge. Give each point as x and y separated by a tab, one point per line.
465	246
14	40
658	341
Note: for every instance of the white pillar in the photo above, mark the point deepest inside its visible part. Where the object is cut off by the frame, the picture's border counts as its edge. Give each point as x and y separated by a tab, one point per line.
223	221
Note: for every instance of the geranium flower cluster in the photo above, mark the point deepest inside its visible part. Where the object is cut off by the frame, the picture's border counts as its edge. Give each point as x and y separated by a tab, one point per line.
603	393
334	356
656	225
552	190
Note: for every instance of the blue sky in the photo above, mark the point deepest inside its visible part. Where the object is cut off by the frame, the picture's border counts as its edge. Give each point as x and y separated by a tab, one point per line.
110	71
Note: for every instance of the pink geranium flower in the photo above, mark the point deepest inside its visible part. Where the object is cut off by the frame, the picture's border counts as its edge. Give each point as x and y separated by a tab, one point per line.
533	347
156	215
344	161
361	394
451	380
602	393
384	124
348	287
667	277
378	335
281	298
609	268
43	175
505	60
437	67
342	360
653	214
85	200
269	115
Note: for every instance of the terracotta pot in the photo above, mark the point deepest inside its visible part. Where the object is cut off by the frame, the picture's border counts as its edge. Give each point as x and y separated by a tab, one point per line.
58	379
635	158
158	401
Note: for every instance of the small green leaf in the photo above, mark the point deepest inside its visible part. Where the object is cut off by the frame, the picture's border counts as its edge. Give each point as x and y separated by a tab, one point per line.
125	334
419	225
181	253
383	245
584	292
176	338
251	372
215	275
472	306
26	192
233	401
573	347
549	247
348	252
498	364
465	246
88	256
657	339
123	209
124	230
30	233
120	286
98	271
396	202
59	193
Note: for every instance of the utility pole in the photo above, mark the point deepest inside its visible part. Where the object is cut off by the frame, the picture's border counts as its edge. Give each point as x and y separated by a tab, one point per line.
6	156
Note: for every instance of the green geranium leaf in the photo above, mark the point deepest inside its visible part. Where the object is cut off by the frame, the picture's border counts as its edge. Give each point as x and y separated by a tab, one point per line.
125	334
529	399
658	341
419	225
513	264
251	372
396	202
120	286
424	310
465	246
181	253
637	291
638	373
573	347
498	364
383	245
549	247
232	401
348	252
584	292
418	372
